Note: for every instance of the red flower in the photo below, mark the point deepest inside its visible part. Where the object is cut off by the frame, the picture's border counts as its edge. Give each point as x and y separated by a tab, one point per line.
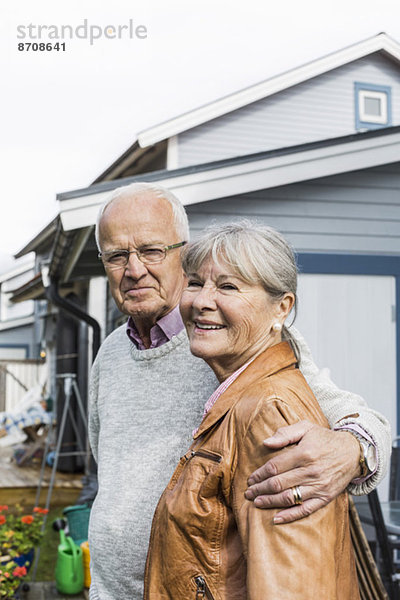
42	511
28	519
20	572
2	519
3	507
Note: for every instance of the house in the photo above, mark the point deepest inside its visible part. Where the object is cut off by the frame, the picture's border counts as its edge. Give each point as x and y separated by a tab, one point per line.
17	321
21	358
314	152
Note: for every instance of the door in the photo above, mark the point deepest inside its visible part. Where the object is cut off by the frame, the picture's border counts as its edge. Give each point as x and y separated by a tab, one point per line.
349	324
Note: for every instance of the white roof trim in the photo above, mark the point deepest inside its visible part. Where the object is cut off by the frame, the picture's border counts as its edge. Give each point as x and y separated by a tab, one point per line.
17	270
19	322
381	42
269	172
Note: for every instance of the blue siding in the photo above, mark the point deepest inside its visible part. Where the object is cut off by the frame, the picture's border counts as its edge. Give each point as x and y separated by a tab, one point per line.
320	108
357	212
18	337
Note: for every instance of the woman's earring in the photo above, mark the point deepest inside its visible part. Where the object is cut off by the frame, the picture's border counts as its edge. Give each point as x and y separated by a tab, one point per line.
277	327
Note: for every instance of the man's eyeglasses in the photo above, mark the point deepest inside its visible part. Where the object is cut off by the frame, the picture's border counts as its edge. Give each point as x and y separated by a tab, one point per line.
149	255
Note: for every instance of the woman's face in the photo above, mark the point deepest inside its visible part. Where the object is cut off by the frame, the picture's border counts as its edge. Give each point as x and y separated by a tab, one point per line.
228	320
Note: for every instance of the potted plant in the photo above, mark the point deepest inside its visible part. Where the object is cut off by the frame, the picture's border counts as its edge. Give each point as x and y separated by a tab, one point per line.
20	533
11	577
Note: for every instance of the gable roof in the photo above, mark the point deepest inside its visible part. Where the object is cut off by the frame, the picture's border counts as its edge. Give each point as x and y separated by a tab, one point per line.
379	43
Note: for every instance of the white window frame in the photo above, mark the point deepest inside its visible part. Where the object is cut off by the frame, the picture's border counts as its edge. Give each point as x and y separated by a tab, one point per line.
381	119
365	121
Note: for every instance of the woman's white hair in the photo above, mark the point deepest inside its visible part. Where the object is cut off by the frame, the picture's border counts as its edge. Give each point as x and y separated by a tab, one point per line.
259	254
138	188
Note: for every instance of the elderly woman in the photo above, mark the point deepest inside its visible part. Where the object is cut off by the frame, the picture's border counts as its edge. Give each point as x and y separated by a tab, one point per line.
207	540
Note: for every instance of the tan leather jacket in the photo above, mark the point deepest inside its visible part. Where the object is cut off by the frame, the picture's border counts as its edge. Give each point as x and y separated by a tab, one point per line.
209	542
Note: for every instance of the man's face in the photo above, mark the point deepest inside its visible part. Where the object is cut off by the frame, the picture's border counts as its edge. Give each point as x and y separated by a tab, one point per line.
145	292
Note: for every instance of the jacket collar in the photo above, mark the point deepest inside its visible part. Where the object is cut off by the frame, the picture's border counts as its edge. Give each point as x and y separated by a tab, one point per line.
269	362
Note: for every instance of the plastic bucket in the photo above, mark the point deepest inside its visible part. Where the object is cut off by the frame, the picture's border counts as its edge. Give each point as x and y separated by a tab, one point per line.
78	522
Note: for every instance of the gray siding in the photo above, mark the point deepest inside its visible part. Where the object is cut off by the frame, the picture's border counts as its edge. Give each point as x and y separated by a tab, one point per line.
18	336
320	108
355	212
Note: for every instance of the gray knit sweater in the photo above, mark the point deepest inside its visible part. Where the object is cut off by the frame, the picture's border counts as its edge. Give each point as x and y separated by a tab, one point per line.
143	408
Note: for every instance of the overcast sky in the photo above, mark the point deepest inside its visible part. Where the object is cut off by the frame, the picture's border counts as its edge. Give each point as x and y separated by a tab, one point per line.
67	115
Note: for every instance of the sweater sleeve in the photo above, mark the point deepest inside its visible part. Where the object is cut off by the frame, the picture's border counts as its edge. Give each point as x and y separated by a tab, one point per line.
294	560
93	417
342	408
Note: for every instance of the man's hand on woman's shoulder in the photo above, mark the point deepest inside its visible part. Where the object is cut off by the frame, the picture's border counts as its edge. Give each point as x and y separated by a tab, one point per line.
319	461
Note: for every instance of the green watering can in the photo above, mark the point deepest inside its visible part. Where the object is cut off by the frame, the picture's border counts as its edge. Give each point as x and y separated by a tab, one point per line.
69	567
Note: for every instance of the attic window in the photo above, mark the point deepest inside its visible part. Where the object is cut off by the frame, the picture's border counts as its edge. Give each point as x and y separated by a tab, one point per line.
372	105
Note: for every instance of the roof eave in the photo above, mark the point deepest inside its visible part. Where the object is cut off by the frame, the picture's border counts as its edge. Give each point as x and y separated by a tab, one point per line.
43	236
120	164
31	290
230	177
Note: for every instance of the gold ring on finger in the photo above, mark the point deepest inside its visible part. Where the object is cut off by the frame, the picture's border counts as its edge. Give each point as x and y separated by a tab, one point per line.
297	495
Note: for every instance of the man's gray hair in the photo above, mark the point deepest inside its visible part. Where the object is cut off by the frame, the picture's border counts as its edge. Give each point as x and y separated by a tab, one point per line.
138	188
258	253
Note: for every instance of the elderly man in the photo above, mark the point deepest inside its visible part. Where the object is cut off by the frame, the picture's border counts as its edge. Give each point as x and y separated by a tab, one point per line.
148	393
